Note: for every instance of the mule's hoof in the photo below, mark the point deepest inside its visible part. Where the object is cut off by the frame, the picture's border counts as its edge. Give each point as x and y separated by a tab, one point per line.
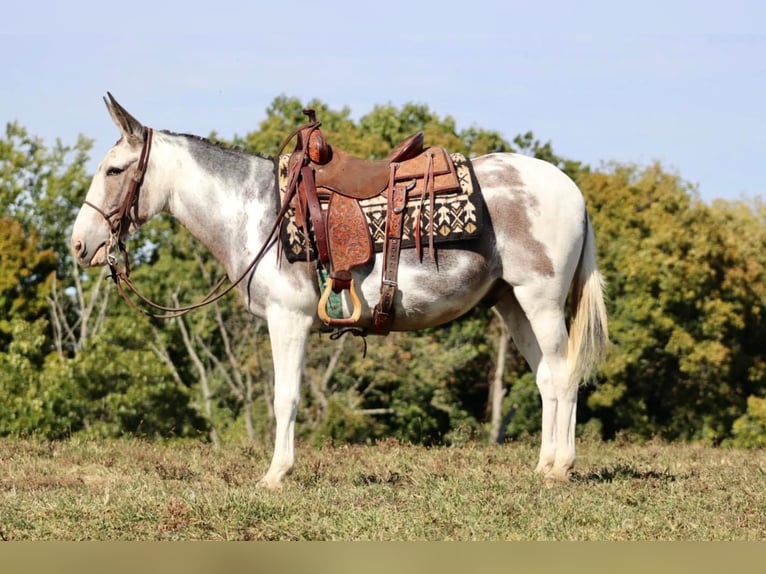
557	476
266	483
543	468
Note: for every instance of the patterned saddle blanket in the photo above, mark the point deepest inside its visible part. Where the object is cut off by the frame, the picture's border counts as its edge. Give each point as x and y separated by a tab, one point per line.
457	215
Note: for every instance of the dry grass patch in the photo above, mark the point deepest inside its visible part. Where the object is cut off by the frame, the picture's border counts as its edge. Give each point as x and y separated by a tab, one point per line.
135	490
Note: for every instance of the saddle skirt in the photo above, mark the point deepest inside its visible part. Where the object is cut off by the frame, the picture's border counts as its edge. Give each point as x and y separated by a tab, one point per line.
458	215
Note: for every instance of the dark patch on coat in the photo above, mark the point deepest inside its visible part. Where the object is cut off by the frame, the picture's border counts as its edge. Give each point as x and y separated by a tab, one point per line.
514	210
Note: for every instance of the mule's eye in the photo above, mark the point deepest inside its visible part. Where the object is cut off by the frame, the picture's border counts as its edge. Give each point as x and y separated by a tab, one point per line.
114	171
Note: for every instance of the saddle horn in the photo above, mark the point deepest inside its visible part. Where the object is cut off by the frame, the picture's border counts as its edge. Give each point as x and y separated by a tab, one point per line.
317	147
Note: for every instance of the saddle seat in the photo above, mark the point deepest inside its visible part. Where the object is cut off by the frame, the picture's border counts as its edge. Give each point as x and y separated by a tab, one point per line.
424	170
359	178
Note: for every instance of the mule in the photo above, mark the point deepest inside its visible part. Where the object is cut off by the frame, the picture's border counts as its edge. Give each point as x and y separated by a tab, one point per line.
537	246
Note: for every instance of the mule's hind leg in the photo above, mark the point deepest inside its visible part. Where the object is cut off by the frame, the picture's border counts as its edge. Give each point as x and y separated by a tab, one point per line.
539	331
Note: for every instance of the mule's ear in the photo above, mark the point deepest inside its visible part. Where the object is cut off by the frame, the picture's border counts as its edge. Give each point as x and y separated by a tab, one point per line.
129	126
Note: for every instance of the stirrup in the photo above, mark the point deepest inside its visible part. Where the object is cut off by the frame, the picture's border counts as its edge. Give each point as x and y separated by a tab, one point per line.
340	322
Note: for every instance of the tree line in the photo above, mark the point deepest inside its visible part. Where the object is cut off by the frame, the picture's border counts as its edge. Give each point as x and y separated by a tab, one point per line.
686	300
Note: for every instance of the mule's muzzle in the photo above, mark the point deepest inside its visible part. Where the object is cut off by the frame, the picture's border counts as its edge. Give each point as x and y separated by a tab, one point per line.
87	257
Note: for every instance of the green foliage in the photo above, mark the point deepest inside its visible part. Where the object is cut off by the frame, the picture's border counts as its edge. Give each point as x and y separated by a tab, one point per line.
422	387
685	279
127	389
749	430
387	126
522	403
115	387
42	188
344	423
374	134
32	401
685	285
25	273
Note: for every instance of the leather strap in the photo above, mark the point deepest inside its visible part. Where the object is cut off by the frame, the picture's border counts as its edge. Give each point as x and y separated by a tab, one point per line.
397	202
428	190
315	211
117	225
431	193
137	179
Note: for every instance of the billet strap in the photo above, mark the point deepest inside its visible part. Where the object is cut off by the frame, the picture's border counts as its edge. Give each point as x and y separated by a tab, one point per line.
397	202
382	316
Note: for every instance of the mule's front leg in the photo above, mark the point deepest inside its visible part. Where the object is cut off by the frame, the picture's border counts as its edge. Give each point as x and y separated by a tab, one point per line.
288	331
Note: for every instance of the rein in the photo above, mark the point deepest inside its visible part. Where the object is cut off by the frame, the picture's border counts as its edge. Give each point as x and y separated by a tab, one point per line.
123	220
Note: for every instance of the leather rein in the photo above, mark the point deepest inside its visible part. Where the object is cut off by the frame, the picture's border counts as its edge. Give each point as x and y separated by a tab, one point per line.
119	220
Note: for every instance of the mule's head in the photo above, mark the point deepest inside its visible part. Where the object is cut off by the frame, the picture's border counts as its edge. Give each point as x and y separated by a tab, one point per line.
116	203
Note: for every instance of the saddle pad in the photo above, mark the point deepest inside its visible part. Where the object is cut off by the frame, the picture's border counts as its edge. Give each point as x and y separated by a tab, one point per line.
459	215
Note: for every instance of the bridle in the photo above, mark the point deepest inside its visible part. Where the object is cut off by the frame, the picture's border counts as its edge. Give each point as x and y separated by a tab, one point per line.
119	220
123	217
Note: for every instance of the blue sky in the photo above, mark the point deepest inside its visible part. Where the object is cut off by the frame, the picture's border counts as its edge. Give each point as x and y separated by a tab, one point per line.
680	82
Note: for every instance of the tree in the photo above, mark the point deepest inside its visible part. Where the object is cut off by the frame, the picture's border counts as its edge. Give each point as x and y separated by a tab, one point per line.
42	188
65	366
686	299
685	291
25	276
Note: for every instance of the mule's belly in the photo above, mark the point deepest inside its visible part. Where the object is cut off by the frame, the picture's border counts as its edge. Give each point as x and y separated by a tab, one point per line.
431	294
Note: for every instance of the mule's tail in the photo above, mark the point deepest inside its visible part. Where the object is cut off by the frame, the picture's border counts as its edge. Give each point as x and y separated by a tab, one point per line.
588	331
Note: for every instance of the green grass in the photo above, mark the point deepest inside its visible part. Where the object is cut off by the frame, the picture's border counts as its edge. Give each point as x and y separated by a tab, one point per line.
135	490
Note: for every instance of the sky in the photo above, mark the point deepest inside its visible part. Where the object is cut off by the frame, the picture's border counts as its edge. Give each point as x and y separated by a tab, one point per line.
680	82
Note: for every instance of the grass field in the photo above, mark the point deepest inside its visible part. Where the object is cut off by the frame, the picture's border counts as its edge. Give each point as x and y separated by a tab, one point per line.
135	490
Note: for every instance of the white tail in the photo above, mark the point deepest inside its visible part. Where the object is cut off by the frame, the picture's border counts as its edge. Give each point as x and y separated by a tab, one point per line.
588	331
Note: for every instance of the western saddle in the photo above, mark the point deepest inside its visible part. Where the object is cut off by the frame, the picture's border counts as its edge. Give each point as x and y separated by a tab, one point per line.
325	186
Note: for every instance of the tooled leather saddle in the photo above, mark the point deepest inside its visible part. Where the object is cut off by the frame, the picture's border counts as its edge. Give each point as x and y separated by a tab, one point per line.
325	186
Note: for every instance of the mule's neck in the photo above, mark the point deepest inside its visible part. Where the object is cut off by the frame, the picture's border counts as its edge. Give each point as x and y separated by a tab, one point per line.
224	197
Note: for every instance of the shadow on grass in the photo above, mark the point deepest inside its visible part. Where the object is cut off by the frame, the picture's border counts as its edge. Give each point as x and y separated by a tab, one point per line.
392	479
626	472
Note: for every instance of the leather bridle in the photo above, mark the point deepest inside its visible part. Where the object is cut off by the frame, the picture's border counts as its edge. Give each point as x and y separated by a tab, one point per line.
119	219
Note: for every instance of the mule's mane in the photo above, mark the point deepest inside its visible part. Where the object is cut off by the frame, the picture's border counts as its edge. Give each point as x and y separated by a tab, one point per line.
220	145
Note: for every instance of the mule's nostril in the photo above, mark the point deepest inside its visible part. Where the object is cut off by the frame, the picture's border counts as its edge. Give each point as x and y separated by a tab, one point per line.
77	247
